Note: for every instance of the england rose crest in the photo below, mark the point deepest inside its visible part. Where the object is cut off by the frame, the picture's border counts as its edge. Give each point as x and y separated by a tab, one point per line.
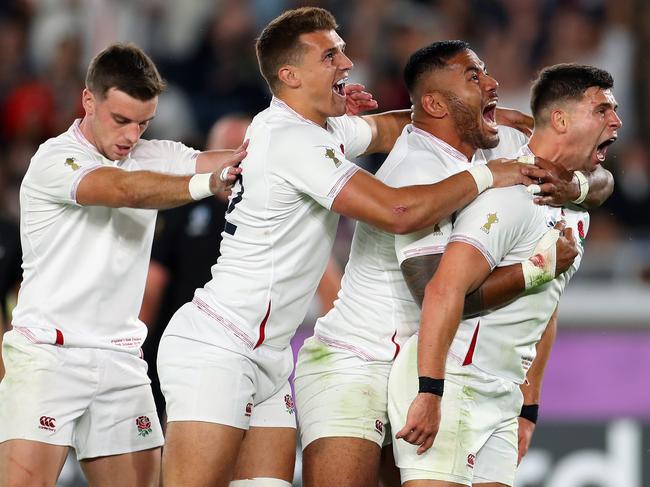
288	401
144	425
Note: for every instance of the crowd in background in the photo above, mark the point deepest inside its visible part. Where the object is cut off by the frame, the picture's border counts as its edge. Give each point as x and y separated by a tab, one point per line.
205	50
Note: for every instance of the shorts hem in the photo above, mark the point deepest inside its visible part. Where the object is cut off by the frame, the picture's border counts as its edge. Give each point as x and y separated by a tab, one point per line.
407	474
119	451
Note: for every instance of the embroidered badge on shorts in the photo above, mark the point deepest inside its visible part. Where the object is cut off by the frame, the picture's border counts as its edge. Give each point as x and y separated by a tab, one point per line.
470	460
379	426
249	409
47	423
144	425
288	402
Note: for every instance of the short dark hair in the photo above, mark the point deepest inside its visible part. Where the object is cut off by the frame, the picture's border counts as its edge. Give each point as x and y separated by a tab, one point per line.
433	56
565	82
279	44
127	68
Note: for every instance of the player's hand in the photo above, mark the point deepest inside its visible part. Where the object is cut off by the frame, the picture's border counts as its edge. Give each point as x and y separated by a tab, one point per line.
422	422
557	187
224	178
524	436
358	101
515	119
509	172
566	248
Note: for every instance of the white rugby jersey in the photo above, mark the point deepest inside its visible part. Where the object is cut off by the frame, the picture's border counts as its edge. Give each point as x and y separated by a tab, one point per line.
85	267
505	225
375	312
279	228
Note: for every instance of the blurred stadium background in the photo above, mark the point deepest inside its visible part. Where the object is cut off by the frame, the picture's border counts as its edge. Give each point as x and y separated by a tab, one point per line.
595	414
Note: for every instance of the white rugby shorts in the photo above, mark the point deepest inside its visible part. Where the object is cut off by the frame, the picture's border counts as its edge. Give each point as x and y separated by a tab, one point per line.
97	401
239	388
340	394
477	439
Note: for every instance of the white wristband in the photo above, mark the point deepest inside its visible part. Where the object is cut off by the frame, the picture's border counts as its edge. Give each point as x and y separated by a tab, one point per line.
199	186
583	183
482	177
540	267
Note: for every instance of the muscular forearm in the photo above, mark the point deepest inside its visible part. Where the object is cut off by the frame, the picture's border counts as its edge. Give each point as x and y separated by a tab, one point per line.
441	314
502	286
144	189
116	188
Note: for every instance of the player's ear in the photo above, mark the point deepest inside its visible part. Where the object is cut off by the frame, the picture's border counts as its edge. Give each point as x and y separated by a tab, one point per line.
434	104
559	120
88	101
290	76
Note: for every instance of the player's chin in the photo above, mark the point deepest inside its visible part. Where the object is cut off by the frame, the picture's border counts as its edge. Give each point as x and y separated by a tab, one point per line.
489	140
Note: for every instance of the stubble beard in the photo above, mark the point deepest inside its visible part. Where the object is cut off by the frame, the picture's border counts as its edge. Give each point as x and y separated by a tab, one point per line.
467	122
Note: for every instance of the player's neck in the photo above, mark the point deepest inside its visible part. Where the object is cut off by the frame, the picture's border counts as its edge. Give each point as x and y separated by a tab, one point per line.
84	127
303	108
446	133
547	146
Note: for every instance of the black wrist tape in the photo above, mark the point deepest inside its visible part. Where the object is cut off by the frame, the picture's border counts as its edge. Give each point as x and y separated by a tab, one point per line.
529	412
431	386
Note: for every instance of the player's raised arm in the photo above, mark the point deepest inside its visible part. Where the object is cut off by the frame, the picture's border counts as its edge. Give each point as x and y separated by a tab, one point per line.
386	127
411	208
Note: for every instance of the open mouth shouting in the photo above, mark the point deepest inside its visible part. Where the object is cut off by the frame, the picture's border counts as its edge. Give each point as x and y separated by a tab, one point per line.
601	149
339	87
490	114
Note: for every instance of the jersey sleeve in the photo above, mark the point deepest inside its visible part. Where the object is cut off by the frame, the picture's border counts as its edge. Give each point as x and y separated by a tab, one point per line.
319	171
356	133
425	242
497	222
432	240
54	175
166	156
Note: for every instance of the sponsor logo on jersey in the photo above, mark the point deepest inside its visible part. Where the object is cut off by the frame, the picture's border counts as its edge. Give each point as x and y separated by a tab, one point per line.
329	153
249	409
47	423
491	220
70	162
288	402
436	230
379	426
470	460
144	425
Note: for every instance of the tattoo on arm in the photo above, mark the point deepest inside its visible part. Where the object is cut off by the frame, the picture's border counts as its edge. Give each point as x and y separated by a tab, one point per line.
418	271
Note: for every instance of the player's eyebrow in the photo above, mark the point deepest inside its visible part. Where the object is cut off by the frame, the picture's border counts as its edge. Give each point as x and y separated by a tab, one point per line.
606	104
123	119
